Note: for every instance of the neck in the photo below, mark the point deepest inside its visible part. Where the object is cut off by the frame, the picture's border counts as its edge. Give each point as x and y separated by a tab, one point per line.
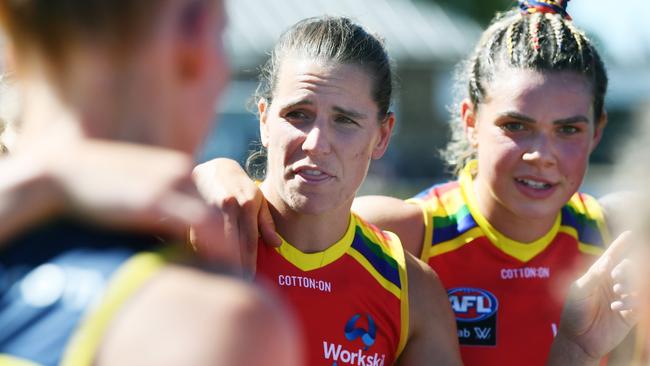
45	115
93	98
309	233
521	229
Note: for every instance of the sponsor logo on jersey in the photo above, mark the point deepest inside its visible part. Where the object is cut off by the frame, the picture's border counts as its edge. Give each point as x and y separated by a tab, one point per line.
525	273
355	332
304	282
476	315
472	304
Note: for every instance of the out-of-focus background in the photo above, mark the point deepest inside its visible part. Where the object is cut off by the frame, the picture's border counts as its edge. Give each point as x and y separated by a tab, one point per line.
426	39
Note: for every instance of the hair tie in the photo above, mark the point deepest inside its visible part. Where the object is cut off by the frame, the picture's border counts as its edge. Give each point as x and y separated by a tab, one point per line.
545	6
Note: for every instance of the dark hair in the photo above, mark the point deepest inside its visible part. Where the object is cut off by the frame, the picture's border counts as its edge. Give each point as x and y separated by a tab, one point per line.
336	39
536	40
328	39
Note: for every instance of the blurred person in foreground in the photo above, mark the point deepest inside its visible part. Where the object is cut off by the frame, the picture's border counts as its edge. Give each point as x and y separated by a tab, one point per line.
121	86
629	210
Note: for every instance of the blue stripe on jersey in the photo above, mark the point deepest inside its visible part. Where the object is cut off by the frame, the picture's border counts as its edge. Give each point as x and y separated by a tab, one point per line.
455	228
586	228
385	265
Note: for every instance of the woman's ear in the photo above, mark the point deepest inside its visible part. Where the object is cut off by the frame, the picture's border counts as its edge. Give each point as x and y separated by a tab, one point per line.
262	111
385	132
598	130
192	41
468	117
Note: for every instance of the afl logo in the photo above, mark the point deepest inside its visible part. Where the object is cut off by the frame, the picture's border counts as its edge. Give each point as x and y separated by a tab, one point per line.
472	304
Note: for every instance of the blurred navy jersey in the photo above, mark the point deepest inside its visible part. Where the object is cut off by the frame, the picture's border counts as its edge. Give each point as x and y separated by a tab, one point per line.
60	286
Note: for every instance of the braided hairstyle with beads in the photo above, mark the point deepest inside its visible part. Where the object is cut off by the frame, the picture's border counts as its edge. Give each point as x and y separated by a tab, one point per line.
537	35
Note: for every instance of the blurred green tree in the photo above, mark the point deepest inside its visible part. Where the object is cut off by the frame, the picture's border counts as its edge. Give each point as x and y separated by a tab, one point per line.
480	10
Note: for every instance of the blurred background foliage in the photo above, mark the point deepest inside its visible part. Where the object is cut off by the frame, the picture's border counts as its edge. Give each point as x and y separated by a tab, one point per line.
480	10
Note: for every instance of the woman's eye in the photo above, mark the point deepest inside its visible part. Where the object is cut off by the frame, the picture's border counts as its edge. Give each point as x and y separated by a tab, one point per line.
513	126
296	115
345	120
569	130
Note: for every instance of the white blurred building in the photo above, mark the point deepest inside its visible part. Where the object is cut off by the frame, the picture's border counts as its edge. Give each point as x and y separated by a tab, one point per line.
424	40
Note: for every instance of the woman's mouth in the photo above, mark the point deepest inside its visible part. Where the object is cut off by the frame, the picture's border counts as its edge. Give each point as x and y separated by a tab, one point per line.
535	184
312	175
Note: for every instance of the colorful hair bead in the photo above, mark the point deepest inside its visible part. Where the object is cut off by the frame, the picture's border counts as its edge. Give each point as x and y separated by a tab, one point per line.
534	31
545	6
556	24
509	35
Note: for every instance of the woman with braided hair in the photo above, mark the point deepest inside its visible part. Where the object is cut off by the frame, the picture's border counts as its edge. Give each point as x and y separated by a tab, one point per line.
511	234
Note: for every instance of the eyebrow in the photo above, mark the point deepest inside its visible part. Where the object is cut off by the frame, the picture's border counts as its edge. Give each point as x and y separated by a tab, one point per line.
564	121
338	109
296	103
349	113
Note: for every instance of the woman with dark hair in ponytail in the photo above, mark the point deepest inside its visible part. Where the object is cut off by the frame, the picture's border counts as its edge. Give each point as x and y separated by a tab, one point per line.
324	115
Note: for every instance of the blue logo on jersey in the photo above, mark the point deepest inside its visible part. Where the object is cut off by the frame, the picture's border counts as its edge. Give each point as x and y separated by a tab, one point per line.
367	336
472	304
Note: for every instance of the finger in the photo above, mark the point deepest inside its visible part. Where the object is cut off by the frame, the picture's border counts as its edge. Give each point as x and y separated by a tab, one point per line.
631	317
267	226
625	302
623	270
217	238
208	234
627	278
209	241
249	238
176	212
231	233
621	289
620	246
605	263
628	309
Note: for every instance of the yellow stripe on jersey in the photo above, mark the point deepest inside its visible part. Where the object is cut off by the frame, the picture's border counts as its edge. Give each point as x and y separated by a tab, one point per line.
7	360
589	207
380	250
398	255
310	261
521	251
585	248
428	227
455	243
376	235
128	279
448	204
386	284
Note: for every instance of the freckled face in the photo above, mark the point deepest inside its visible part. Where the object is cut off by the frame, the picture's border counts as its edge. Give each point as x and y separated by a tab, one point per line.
534	134
321	131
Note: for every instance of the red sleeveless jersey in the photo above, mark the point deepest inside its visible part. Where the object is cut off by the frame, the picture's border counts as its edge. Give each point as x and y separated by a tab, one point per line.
507	296
351	300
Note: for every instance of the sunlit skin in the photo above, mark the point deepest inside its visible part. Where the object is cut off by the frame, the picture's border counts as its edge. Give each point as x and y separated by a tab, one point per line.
534	134
321	132
197	97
